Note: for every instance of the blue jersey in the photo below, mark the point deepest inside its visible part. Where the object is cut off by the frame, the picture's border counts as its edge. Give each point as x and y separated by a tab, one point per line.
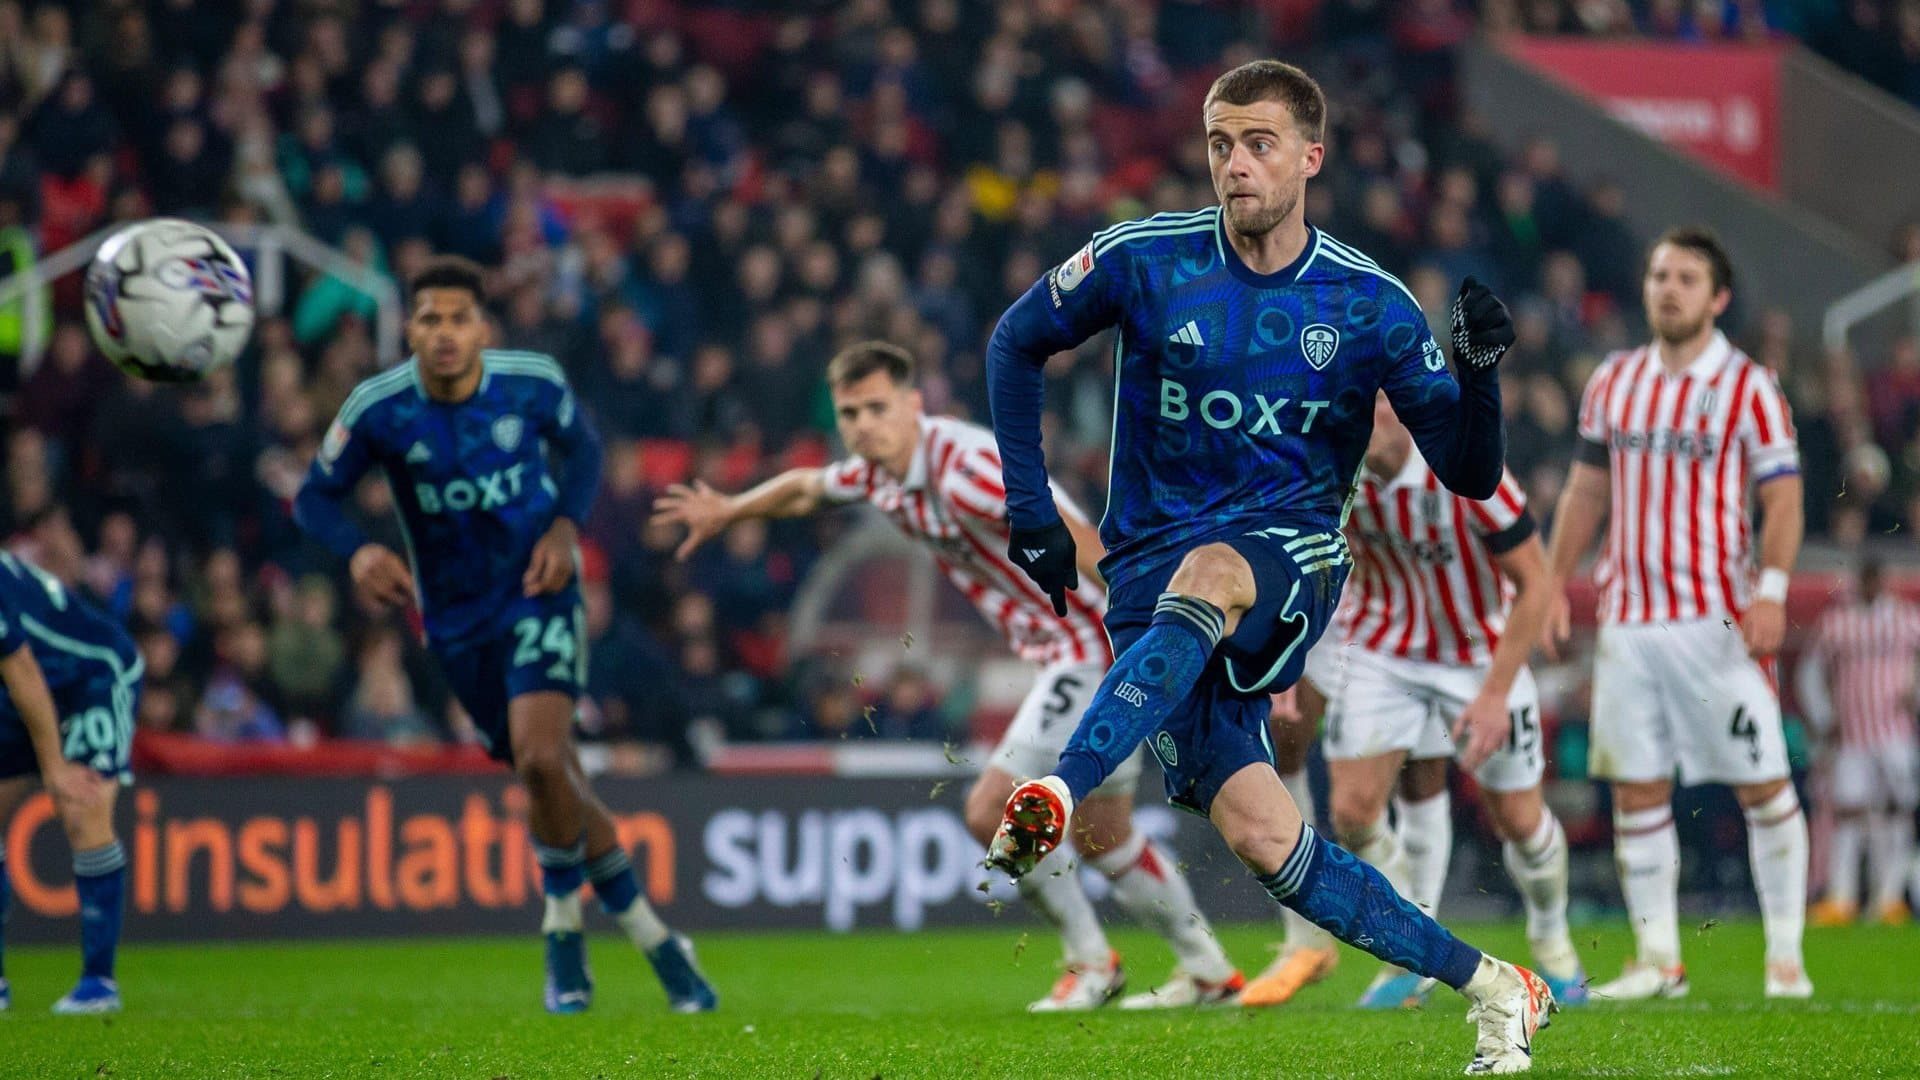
72	640
1241	400
471	480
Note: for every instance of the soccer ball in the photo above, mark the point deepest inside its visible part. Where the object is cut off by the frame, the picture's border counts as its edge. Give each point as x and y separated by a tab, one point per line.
168	300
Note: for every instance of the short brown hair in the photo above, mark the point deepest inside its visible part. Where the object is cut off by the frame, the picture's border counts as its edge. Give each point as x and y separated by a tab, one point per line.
1276	80
450	272
857	361
1703	242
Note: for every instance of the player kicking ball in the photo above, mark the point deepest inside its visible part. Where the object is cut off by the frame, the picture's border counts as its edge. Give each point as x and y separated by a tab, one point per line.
1251	345
464	434
1672	437
1448	596
938	480
72	677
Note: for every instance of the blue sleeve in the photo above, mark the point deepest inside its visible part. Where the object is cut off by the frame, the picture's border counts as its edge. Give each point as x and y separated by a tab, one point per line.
576	448
1073	302
320	507
1456	424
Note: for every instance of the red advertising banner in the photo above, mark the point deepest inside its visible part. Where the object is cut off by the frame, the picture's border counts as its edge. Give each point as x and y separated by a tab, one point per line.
1720	103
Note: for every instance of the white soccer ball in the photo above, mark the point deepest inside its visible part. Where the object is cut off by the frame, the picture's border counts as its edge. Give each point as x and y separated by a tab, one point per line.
168	300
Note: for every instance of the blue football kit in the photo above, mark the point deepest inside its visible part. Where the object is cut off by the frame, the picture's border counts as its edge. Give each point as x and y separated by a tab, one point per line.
477	484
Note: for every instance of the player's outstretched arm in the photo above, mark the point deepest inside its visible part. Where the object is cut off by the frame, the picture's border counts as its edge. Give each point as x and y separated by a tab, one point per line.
707	513
1484	722
320	511
75	787
1576	522
1455	420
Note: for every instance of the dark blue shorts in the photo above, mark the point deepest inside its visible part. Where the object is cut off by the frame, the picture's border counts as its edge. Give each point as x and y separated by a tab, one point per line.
1221	727
543	646
96	722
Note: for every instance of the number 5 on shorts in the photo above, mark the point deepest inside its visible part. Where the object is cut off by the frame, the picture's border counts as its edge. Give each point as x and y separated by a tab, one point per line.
557	641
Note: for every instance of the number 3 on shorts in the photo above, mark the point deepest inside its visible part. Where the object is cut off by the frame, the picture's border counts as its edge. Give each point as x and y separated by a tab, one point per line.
556	641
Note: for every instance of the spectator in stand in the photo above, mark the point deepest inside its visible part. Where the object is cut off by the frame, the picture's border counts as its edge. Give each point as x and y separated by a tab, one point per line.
382	707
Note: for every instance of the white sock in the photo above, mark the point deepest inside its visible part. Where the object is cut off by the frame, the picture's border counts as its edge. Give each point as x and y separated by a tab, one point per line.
1426	836
1647	849
1538	866
1777	848
1381	847
1489	978
562	914
1297	931
1890	839
1148	885
643	925
1843	860
1053	888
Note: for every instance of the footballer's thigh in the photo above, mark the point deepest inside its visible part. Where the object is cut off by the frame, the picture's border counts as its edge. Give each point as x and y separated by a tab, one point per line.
1726	713
1374	720
1632	730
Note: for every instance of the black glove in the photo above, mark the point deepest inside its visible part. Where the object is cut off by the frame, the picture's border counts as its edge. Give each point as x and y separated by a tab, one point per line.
1482	329
1047	555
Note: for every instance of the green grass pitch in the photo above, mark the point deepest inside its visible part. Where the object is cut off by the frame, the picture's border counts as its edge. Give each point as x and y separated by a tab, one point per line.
932	1004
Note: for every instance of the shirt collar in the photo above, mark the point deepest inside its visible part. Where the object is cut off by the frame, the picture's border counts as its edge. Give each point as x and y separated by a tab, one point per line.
1707	363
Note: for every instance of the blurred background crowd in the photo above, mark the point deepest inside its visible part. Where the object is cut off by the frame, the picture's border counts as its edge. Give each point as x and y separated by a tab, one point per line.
691	205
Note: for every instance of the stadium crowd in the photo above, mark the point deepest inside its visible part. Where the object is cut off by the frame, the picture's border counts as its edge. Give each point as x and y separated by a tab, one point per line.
780	184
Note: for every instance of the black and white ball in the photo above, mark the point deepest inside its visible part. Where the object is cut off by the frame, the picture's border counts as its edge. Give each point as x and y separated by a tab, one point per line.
168	300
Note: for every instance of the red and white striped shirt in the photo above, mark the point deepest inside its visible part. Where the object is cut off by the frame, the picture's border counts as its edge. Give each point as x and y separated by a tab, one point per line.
1425	583
1681	451
954	501
1868	654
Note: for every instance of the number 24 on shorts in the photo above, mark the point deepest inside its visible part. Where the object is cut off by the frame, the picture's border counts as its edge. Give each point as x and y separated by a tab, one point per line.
556	640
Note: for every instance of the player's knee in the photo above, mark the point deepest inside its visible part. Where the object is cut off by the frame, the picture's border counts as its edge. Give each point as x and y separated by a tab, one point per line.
1261	845
1355	815
542	768
1217	574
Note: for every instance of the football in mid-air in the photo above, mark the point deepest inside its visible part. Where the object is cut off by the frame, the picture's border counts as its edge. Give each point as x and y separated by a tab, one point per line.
168	300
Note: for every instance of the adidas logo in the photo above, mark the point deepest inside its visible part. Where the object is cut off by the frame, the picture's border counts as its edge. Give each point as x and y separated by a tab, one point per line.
419	453
1033	554
1188	335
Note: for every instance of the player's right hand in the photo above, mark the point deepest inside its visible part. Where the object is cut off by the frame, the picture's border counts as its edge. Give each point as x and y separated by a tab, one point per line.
704	511
381	577
76	789
1048	557
1559	627
1482	327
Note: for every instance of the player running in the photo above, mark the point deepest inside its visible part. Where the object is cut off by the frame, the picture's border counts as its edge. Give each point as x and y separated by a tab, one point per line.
1250	348
72	676
1448	596
938	480
1856	683
464	434
1671	436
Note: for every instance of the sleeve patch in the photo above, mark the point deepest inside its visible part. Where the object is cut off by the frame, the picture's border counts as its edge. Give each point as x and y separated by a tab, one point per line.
1068	276
335	441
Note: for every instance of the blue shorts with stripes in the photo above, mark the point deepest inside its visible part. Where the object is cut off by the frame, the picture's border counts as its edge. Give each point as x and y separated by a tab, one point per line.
542	648
96	709
1221	727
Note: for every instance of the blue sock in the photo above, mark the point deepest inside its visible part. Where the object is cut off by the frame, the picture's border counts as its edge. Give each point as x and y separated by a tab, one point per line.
6	900
613	881
1351	900
562	869
99	876
1142	689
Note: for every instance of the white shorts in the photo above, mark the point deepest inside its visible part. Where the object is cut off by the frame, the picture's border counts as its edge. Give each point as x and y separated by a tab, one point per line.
1046	719
1684	695
1385	704
1871	777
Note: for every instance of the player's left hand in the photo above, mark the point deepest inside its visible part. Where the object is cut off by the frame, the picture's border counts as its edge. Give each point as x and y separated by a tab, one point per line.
1764	627
1047	556
1482	328
1482	727
551	566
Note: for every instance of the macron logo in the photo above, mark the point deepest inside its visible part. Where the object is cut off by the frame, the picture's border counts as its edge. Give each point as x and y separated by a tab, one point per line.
1188	335
1130	694
1033	554
419	454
